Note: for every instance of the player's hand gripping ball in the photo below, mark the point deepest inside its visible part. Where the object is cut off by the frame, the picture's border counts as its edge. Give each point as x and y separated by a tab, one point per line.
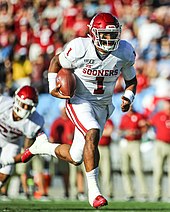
67	81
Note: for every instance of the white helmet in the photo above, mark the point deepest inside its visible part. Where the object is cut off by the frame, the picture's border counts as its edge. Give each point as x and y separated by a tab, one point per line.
25	101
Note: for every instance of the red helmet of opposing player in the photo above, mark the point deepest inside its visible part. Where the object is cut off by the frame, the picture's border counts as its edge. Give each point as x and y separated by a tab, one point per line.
105	31
25	101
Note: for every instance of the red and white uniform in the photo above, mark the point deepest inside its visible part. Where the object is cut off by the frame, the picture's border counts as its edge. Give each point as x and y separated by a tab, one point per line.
96	79
11	131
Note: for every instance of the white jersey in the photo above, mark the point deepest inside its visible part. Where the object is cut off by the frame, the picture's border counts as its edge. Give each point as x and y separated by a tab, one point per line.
10	130
96	78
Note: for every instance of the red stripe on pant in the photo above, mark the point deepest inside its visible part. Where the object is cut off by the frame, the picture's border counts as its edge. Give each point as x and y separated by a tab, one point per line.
74	118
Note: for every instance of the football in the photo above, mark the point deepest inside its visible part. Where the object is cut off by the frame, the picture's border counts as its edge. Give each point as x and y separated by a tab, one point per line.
67	80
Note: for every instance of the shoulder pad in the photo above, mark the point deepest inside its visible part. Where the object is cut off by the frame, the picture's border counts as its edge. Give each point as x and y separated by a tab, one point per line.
127	51
75	49
37	118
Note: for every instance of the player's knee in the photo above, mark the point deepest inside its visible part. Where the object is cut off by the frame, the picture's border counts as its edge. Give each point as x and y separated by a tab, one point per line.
77	160
78	163
76	154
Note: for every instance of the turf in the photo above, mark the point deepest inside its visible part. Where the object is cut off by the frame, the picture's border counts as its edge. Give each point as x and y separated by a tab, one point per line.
67	205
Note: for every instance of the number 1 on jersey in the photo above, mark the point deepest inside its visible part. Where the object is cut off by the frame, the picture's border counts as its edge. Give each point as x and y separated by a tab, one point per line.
99	89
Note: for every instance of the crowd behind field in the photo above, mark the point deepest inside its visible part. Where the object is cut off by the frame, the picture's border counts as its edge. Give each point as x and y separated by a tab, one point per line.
31	32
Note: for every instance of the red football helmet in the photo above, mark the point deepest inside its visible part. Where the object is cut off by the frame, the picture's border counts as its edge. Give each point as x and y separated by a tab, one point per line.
105	31
25	101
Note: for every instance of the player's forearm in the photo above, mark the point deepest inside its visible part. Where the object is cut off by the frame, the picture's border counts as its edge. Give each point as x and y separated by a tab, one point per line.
17	158
131	85
130	89
54	65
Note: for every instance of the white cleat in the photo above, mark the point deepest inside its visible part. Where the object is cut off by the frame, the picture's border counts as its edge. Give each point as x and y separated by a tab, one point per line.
37	148
38	145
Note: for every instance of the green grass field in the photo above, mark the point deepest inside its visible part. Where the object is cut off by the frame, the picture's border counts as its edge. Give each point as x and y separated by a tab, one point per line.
67	205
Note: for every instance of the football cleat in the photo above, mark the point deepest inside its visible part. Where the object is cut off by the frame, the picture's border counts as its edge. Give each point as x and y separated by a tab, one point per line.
38	147
27	155
99	202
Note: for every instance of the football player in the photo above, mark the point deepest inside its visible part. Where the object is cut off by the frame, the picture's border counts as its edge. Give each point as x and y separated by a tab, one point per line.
18	118
97	61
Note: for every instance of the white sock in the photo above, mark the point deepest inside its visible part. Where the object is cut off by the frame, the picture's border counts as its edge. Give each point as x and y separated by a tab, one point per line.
52	148
92	183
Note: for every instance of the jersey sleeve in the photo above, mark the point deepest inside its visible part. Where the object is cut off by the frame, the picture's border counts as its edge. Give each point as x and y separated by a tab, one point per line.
71	54
128	70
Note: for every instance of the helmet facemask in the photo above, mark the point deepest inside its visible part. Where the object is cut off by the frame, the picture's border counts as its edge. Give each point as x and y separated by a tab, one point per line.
19	108
105	31
107	39
24	102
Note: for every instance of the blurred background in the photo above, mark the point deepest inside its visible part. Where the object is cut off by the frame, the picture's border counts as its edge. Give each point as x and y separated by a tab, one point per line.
33	31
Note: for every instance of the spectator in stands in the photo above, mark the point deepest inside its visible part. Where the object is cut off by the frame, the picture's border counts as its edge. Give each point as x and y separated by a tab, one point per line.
131	125
154	31
54	13
6	47
161	123
105	166
6	11
21	69
104	6
80	26
43	36
24	34
39	69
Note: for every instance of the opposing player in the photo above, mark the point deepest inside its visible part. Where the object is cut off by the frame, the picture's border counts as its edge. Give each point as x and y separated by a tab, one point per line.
97	61
18	117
